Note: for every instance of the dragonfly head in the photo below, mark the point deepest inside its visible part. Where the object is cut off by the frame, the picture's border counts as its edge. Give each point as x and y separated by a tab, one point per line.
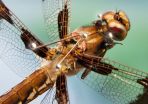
116	23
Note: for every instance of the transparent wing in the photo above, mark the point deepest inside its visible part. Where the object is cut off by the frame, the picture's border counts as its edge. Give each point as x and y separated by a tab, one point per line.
122	84
59	93
56	16
50	97
16	43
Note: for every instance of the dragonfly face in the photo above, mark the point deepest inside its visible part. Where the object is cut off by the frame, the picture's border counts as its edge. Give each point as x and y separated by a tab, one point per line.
117	23
102	35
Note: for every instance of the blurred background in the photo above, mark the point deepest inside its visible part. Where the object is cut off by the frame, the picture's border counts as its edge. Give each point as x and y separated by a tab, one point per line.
133	53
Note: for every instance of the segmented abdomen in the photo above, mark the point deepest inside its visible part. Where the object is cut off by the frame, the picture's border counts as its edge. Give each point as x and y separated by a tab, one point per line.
33	86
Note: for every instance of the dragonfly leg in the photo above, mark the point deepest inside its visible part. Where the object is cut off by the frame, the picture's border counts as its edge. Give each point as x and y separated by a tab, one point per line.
85	73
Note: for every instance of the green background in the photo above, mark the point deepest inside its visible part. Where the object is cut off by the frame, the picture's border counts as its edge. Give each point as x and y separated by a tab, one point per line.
133	53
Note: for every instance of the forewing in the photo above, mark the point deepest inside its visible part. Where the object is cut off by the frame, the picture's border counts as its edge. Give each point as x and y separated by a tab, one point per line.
121	85
57	16
16	44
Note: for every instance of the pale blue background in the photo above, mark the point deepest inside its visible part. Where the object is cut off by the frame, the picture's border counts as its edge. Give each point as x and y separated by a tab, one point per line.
134	52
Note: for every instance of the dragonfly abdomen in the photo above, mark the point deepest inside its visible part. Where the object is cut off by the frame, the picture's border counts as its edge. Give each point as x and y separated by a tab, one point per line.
33	86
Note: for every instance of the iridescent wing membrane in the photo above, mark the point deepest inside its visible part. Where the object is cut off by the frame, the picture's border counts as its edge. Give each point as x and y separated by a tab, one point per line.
17	43
56	16
119	83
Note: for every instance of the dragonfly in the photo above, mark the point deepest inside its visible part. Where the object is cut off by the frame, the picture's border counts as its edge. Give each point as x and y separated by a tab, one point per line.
80	52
